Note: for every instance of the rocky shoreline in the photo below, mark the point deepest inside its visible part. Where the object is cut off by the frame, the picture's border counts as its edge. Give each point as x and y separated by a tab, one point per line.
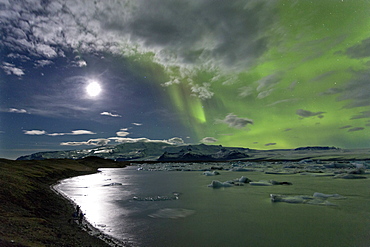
32	214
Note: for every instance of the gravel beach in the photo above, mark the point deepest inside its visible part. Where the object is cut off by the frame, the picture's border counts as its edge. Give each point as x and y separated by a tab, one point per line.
32	214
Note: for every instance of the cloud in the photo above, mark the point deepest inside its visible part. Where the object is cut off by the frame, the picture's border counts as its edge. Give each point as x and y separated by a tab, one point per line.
91	142
264	94
208	140
110	114
229	34
304	113
268	82
357	92
234	121
171	141
282	101
74	132
361	50
79	63
356	129
176	140
331	91
364	114
34	132
245	91
270	144
10	69
43	63
203	92
123	132
15	110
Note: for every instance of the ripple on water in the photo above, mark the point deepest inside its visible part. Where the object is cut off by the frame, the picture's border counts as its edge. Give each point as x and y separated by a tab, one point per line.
172	213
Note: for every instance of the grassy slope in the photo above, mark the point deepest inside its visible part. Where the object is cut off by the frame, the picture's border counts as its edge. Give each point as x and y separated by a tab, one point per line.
31	214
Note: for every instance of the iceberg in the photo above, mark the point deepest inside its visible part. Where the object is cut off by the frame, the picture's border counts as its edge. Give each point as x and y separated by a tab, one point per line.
316	199
218	184
208	173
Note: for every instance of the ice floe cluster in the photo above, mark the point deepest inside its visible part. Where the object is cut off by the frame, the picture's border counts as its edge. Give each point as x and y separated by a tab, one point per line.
316	199
306	167
174	196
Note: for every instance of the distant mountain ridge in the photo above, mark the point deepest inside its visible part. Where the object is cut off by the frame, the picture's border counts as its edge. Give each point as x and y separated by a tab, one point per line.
147	151
163	152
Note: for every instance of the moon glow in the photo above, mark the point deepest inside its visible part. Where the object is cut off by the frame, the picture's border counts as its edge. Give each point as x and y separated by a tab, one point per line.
93	89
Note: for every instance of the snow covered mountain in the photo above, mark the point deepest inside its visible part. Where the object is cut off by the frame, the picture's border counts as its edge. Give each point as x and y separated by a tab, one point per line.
159	151
148	151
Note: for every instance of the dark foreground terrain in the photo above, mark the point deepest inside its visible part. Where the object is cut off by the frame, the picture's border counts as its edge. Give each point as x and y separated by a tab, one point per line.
31	214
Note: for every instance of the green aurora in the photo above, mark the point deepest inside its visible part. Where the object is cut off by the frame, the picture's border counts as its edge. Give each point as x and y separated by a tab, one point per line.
310	64
260	74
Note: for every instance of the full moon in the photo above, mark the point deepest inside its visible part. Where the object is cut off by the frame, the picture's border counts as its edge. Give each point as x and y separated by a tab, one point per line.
93	89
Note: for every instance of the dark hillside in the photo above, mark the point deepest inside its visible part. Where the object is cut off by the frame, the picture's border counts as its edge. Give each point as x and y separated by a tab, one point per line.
31	214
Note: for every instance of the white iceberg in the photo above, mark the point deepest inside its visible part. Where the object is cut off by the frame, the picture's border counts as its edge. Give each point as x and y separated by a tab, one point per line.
218	184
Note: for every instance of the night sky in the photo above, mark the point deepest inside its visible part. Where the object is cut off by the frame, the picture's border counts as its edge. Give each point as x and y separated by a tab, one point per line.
260	74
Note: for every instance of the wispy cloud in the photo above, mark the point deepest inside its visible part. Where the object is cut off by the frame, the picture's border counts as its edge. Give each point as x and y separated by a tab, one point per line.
10	69
270	144
233	121
43	132
202	91
357	92
110	114
356	129
178	38
171	141
34	132
74	132
122	132
208	140
15	110
305	113
282	101
91	142
266	85
43	63
363	114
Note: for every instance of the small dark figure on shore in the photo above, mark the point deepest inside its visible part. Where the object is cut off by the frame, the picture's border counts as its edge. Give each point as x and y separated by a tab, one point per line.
80	218
77	209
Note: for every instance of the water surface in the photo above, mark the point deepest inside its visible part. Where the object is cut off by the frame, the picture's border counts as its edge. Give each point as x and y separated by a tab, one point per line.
234	216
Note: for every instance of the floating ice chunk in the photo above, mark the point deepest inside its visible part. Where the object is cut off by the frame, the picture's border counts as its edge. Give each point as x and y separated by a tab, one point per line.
280	172
322	195
273	182
113	184
320	202
208	173
244	180
242	169
218	184
349	176
288	199
261	183
172	213
174	196
317	198
318	174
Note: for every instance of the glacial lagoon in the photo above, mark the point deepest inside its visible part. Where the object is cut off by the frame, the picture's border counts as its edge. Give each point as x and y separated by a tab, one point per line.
174	205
